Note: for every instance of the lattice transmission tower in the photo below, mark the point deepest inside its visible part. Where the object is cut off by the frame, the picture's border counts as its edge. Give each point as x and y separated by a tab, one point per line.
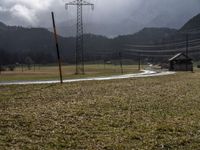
79	55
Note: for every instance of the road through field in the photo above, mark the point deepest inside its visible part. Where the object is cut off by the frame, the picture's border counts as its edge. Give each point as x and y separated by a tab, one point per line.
144	73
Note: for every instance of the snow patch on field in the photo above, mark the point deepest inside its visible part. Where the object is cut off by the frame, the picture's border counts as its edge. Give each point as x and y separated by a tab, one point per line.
144	73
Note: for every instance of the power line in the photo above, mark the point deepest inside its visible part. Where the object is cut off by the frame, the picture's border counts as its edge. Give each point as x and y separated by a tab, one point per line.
165	45
194	30
155	56
162	51
147	55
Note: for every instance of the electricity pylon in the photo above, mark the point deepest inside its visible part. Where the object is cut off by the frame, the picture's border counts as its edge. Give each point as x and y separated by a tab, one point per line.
79	34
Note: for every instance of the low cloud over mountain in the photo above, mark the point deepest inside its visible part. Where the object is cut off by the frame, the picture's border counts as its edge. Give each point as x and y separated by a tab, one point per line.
109	18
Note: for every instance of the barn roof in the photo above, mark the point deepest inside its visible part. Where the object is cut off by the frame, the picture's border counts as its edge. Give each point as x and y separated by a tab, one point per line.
180	56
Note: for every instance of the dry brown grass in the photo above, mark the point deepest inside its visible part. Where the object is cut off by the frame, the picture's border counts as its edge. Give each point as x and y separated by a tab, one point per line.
51	72
144	113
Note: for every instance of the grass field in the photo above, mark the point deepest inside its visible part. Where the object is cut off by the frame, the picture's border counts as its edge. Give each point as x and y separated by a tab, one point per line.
51	72
139	113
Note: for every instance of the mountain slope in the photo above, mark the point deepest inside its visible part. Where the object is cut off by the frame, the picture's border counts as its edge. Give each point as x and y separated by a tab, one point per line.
147	36
110	30
191	27
38	43
192	24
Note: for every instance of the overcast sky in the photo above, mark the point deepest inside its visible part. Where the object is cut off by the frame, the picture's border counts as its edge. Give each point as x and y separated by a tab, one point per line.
37	12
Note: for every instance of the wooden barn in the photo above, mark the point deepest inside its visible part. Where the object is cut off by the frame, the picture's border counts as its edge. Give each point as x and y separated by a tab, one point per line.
180	62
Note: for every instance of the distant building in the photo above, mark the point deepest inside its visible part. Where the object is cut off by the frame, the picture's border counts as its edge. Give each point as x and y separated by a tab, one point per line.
180	62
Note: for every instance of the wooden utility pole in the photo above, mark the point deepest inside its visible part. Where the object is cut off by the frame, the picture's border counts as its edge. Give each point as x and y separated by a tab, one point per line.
121	65
104	62
57	48
139	61
187	45
22	66
186	50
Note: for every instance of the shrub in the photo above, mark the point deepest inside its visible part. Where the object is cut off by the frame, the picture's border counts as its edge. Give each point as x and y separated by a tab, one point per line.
2	68
11	67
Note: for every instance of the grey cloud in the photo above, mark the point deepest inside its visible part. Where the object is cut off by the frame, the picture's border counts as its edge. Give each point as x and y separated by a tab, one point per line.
172	13
23	12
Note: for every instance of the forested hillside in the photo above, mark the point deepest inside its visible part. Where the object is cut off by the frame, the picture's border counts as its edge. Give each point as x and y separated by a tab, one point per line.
19	43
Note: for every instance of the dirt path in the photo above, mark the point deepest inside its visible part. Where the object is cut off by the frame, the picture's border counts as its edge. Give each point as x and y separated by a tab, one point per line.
144	73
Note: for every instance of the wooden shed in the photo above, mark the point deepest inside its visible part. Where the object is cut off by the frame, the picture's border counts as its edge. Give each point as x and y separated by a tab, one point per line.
180	62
